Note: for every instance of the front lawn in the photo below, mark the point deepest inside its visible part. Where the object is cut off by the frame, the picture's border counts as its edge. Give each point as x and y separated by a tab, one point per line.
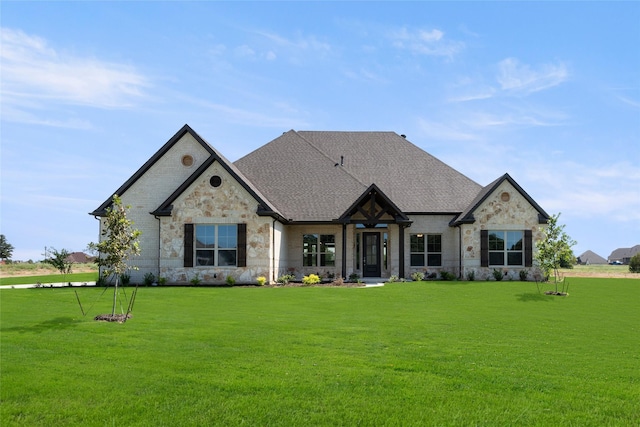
49	279
426	353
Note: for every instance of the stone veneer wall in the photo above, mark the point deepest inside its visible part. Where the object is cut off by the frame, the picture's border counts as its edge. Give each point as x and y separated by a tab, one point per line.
227	204
149	191
496	214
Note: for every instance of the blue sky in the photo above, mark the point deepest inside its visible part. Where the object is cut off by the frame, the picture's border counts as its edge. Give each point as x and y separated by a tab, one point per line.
546	91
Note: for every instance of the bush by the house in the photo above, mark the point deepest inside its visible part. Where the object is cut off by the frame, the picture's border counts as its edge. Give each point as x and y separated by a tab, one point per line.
149	279
498	274
261	280
446	275
311	279
285	279
417	276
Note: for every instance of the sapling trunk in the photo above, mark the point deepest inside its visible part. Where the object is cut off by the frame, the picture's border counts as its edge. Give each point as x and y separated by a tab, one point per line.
115	295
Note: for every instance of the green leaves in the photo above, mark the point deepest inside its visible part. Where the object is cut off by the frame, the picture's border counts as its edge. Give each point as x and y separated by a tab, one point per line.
554	251
120	240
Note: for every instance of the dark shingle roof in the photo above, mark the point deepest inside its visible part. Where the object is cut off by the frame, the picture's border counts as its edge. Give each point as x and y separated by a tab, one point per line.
590	257
317	175
622	253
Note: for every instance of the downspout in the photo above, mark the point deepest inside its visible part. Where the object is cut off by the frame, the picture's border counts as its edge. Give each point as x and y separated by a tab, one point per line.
459	251
273	251
344	250
401	250
159	246
99	239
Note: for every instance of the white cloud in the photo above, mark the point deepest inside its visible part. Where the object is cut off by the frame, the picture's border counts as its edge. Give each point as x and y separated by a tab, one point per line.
515	77
425	42
32	71
293	49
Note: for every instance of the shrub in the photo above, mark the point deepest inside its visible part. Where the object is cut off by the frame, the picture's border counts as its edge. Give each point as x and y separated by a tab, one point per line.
149	278
524	274
393	279
471	275
125	278
261	280
445	275
497	274
354	277
195	280
338	282
285	279
634	264
162	281
311	279
230	280
417	276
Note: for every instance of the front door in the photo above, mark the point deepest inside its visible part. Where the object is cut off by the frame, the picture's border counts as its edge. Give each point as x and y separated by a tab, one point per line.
371	255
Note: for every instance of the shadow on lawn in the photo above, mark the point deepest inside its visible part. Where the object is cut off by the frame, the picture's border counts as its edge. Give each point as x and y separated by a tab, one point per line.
58	323
531	296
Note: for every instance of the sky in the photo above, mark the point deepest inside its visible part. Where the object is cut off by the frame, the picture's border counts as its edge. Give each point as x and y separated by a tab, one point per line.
548	92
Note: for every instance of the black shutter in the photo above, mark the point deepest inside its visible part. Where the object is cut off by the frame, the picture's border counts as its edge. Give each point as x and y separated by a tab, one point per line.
528	248
484	248
242	245
188	245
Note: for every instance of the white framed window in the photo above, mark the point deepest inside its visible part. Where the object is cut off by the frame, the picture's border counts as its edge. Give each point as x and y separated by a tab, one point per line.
426	250
319	250
506	248
216	245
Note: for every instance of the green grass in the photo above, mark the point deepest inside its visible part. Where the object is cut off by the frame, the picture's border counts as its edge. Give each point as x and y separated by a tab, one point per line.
50	278
429	353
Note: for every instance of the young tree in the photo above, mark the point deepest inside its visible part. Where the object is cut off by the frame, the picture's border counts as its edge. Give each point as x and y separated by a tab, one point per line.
6	249
118	245
634	263
58	259
554	250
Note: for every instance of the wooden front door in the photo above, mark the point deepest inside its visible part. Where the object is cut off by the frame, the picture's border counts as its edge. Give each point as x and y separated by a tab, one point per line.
371	266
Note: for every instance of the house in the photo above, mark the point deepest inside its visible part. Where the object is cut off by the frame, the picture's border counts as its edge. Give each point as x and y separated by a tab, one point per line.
623	255
591	258
337	204
79	258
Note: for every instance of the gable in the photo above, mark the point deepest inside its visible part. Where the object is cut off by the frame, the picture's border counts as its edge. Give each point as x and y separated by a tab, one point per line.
213	192
503	197
374	207
165	170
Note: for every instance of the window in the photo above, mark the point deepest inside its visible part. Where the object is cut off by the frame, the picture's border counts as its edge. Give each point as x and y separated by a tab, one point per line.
505	248
426	250
319	250
216	245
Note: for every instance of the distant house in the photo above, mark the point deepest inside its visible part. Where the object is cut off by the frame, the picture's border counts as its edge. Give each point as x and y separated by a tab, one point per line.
590	258
370	204
624	255
79	258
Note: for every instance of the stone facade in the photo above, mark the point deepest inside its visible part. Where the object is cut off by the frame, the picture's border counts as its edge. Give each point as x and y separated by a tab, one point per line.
202	187
504	209
149	191
202	203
